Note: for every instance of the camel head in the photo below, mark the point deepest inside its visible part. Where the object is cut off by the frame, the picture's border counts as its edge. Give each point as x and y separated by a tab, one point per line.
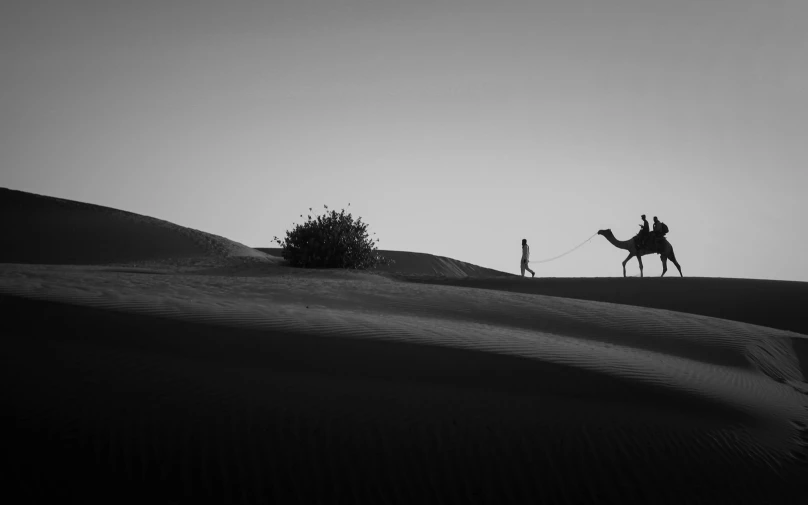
605	232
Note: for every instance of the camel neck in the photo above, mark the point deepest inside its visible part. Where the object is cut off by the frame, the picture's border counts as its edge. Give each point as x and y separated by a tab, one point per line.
622	244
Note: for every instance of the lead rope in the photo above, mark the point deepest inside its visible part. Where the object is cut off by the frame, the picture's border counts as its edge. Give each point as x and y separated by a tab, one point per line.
566	253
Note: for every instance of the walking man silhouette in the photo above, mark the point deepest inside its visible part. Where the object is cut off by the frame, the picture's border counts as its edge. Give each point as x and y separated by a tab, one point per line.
526	259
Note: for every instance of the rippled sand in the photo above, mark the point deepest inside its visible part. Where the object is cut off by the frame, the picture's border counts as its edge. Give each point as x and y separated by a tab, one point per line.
229	378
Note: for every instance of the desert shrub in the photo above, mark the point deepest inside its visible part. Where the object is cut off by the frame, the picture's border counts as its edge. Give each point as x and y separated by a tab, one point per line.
331	240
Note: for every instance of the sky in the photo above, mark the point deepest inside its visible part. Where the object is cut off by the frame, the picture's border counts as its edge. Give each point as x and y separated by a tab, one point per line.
452	127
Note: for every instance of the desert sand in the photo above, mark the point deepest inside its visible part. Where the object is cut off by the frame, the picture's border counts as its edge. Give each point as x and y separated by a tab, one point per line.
146	362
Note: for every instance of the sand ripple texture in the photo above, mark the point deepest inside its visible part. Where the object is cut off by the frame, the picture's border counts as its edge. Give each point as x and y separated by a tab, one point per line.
187	389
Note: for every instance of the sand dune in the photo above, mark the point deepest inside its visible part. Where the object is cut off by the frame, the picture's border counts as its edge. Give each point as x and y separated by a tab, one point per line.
43	229
310	389
776	304
251	382
422	264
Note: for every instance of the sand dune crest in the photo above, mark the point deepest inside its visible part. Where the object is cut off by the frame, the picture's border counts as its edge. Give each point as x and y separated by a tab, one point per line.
42	229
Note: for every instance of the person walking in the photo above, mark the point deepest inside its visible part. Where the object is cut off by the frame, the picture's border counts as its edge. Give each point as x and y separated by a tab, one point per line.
526	259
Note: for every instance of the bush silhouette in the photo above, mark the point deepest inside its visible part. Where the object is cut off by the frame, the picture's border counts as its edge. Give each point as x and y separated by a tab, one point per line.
331	240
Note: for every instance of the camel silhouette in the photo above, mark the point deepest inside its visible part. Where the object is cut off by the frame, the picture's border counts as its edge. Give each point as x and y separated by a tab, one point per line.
663	248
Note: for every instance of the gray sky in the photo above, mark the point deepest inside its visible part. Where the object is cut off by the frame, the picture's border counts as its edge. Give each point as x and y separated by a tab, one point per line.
454	127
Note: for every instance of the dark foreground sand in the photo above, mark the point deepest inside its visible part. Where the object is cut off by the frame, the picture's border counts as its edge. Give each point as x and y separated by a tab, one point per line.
229	378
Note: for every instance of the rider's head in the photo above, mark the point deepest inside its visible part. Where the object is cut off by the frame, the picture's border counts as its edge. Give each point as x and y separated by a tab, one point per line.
655	219
643	216
524	241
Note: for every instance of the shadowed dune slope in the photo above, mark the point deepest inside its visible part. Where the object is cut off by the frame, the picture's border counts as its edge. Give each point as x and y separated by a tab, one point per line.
48	230
422	264
298	389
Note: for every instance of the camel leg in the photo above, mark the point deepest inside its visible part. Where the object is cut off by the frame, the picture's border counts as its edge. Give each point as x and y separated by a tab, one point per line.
639	260
676	263
630	255
664	265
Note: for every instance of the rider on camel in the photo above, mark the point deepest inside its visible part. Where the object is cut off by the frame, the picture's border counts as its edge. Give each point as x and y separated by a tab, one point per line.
660	229
644	233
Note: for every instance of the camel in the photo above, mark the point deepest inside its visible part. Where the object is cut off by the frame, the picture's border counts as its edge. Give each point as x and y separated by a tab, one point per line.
664	249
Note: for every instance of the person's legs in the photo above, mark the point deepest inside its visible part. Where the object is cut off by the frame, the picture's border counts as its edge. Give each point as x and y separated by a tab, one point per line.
524	267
